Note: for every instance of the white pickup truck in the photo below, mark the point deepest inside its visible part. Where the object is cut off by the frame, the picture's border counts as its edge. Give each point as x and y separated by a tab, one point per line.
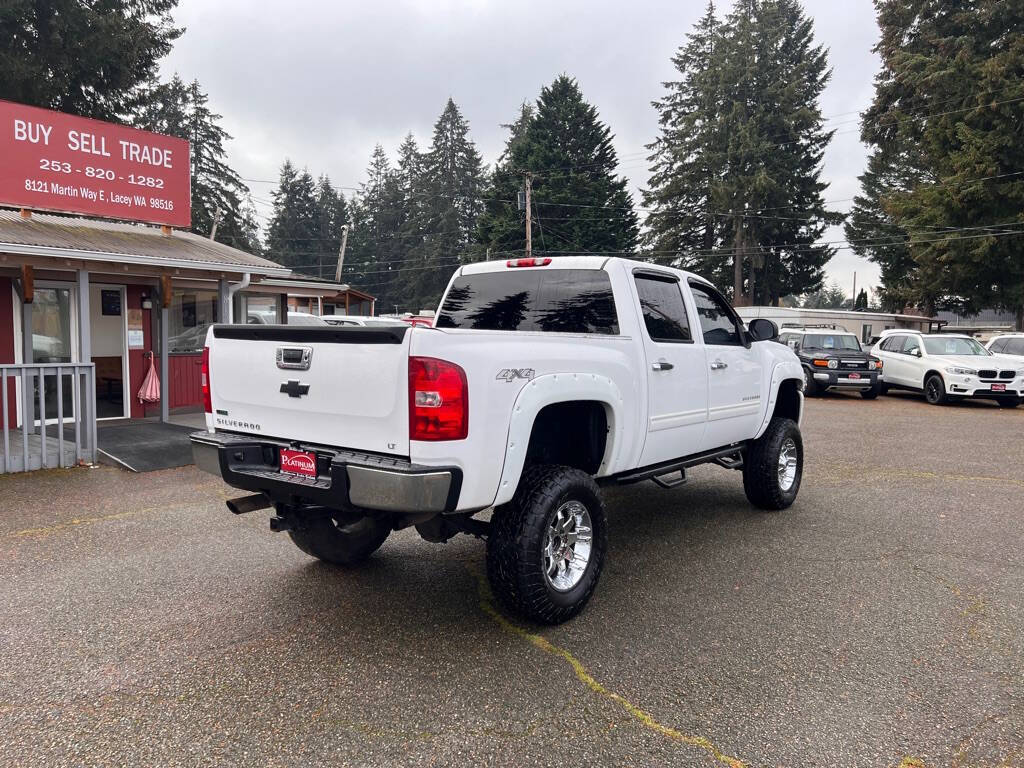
542	380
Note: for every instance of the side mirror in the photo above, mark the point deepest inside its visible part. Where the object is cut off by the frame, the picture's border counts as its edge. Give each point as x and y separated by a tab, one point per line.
916	352
762	329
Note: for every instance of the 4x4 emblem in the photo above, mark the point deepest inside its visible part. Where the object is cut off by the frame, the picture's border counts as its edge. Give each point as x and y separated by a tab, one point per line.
511	374
294	388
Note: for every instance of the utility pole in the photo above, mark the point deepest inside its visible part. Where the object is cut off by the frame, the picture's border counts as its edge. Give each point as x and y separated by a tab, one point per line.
341	253
216	221
854	290
529	215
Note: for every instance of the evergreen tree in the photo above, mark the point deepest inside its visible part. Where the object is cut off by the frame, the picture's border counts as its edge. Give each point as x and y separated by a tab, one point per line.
579	204
949	95
738	163
831	297
89	59
181	110
370	258
294	227
687	163
772	76
448	199
875	234
862	300
332	216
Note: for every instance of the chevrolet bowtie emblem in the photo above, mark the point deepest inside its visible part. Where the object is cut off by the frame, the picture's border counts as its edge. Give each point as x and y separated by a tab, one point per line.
294	388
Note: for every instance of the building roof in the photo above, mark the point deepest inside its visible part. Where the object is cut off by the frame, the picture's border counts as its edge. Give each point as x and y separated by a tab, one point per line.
90	239
796	312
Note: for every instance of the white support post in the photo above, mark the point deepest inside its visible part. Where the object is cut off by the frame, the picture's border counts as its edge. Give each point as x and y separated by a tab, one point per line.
88	398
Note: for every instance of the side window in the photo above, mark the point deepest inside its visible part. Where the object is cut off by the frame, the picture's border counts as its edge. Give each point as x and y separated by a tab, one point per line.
661	302
1015	347
893	344
998	345
716	320
911	343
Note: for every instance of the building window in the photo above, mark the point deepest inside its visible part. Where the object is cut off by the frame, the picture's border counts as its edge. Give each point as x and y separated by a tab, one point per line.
261	308
191	312
865	333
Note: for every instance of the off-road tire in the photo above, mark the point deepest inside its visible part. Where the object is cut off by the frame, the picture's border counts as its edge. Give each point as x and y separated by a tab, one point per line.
1009	402
871	394
883	388
340	538
761	480
935	390
515	560
811	388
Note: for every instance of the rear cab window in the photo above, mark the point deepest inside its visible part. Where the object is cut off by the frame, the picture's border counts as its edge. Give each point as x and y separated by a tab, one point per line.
534	299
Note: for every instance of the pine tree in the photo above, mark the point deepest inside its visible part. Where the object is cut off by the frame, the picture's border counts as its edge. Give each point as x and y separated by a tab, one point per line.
332	216
772	75
181	110
579	204
294	227
450	189
875	234
861	301
687	161
89	59
949	94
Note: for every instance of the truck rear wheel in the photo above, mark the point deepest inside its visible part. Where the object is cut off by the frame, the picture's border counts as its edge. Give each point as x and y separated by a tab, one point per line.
340	538
546	547
774	465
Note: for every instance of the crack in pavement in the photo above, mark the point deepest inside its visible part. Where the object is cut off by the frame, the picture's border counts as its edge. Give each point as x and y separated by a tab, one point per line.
645	718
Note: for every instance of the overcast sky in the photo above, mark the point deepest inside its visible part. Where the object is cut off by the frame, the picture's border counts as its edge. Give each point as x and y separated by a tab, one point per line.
322	82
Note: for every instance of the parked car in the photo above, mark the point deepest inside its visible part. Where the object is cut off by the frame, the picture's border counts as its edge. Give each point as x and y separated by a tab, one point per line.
948	367
541	381
1008	345
360	320
832	358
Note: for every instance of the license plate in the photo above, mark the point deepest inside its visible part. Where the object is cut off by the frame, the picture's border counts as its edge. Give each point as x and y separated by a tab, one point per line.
998	387
854	375
298	462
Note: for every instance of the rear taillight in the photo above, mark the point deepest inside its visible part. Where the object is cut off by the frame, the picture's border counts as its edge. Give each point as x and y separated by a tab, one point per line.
438	400
527	262
207	399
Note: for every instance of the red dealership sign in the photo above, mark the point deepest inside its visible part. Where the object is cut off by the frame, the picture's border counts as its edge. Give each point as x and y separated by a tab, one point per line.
51	161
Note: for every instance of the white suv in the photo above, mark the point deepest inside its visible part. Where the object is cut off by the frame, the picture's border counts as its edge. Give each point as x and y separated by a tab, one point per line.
948	367
1008	345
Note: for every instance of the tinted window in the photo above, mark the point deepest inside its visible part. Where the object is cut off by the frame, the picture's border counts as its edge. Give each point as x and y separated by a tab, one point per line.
661	302
998	345
1015	347
893	343
558	300
716	321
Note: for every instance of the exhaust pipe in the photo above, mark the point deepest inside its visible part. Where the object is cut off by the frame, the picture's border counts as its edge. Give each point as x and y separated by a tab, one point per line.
244	504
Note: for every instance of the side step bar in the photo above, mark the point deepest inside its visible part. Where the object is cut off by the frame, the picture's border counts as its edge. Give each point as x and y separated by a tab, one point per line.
730	457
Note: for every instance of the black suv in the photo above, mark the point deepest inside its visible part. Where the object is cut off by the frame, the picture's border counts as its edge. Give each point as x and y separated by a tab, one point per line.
833	359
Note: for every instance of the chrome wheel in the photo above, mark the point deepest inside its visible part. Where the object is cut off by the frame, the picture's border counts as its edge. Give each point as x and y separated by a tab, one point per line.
567	543
787	464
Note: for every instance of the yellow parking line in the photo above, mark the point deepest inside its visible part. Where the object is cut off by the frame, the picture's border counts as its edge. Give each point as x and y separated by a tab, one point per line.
48	530
648	721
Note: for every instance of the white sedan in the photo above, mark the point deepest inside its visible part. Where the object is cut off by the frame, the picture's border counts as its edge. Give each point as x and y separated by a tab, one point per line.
948	367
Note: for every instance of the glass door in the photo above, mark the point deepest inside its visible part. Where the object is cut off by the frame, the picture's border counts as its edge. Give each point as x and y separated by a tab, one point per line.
53	342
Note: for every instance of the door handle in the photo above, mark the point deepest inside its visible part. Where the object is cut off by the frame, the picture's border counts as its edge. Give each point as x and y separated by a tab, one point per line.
662	365
718	365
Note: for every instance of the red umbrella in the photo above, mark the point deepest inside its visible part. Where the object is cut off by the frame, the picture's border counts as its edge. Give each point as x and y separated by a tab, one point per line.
150	391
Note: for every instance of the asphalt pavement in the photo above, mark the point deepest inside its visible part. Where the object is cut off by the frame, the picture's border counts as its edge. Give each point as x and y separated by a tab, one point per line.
878	622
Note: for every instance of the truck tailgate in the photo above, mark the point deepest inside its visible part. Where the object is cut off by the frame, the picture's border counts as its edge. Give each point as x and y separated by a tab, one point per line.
338	386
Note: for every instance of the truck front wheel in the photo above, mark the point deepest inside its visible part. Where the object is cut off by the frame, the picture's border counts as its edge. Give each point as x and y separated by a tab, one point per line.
340	538
774	465
547	546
